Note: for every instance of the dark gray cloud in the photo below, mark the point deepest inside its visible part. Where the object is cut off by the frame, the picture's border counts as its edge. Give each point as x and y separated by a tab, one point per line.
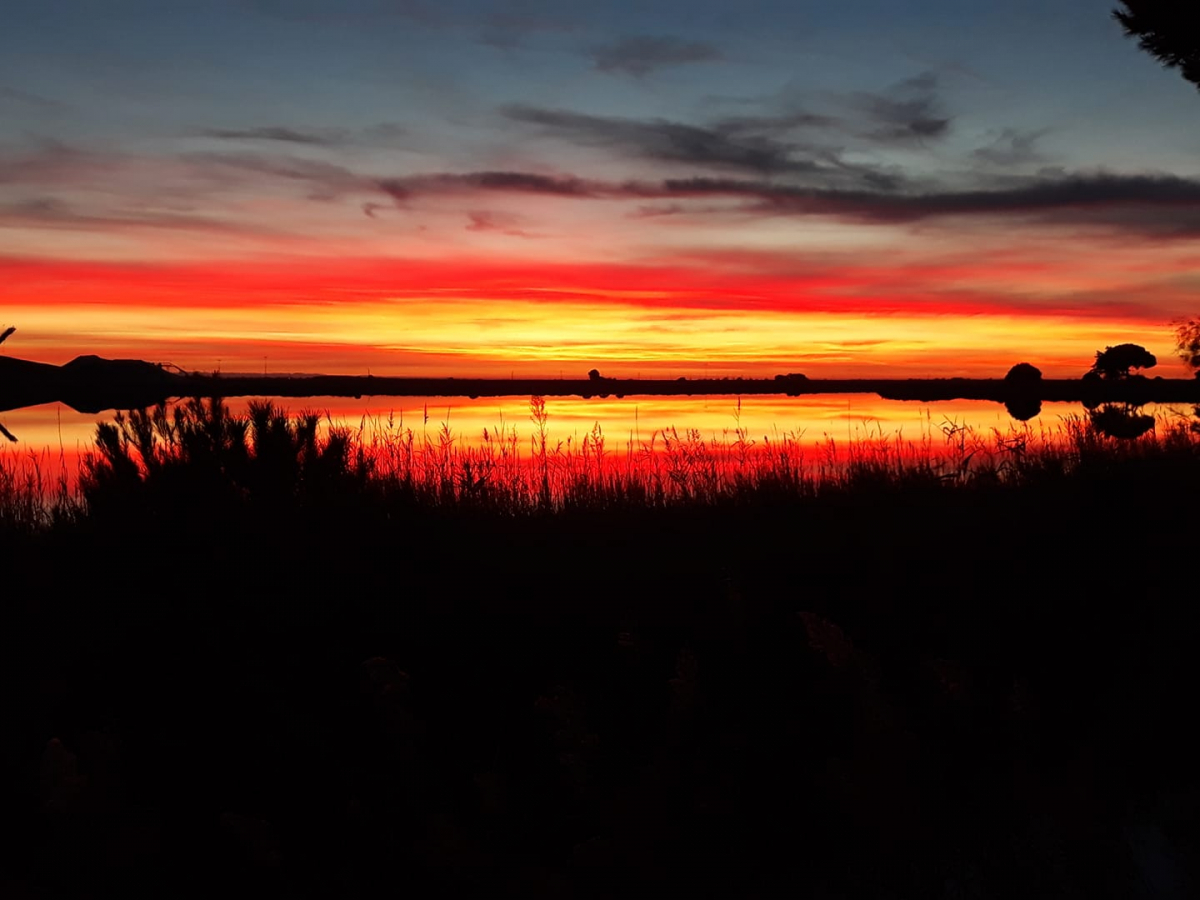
756	145
642	54
324	137
776	125
908	112
1148	204
1095	198
403	189
1012	147
381	133
1155	204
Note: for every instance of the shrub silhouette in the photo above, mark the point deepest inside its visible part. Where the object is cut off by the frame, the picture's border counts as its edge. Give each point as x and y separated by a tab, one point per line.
201	454
1115	363
1023	373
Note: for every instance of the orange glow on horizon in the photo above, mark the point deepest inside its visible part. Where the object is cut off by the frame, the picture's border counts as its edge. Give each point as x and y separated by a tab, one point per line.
745	315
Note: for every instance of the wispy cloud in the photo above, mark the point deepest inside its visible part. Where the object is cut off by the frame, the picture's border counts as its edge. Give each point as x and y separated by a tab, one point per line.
910	111
324	137
55	213
642	54
404	189
28	101
325	180
499	222
50	175
1164	205
509	28
755	145
1012	147
658	210
52	162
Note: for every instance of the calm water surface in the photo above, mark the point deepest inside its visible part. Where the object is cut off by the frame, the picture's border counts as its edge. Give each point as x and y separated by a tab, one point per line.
56	435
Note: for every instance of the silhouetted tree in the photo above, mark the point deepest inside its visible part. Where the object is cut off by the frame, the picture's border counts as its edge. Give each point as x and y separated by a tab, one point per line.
1091	383
1023	373
1116	362
1169	30
4	335
593	374
1187	343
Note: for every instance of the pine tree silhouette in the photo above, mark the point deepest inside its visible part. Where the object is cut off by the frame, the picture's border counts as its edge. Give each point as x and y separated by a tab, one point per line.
1169	30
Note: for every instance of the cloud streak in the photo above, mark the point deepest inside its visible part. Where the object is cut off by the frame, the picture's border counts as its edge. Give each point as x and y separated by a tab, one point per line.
755	145
1148	204
1012	147
910	111
501	223
52	213
29	101
404	189
1151	203
278	133
640	55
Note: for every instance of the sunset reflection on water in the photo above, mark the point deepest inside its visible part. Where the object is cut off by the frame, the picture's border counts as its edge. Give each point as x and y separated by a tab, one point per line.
58	436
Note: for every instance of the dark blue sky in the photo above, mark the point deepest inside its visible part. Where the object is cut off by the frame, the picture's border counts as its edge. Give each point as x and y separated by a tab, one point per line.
133	73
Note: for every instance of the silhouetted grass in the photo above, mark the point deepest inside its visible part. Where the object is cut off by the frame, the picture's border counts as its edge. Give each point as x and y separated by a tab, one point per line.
200	452
272	652
30	499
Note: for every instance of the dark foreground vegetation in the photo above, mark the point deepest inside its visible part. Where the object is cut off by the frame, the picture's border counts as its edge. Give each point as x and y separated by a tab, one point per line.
255	655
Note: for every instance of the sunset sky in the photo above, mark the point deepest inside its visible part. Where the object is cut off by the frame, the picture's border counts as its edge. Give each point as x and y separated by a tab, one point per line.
871	187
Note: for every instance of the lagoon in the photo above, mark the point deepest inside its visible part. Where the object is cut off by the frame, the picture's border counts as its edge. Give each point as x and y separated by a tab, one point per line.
56	436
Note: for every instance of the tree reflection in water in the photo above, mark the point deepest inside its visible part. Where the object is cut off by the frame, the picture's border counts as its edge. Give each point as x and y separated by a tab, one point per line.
1023	409
1120	420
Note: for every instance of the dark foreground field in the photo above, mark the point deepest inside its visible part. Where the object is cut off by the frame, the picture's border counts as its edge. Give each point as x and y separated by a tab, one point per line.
235	673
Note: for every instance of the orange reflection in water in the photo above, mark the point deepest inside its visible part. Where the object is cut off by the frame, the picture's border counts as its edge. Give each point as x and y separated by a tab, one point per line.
55	437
